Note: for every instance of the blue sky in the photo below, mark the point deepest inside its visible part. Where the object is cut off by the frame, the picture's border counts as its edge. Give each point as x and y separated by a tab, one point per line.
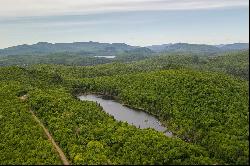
138	22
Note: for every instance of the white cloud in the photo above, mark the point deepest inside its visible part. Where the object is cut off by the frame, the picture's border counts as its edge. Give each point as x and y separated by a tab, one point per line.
22	8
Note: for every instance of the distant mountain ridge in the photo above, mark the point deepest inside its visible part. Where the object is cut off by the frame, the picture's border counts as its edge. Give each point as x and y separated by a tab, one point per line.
85	48
236	46
114	49
198	48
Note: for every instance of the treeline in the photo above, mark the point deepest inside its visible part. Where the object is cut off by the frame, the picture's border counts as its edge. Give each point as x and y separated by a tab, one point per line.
59	59
76	59
138	60
235	64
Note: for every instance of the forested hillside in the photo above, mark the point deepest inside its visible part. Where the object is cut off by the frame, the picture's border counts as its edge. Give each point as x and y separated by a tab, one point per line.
114	49
207	109
83	48
236	64
203	100
22	139
57	58
199	48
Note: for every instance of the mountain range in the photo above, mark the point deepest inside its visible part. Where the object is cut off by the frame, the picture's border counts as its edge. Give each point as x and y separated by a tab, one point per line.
198	48
107	49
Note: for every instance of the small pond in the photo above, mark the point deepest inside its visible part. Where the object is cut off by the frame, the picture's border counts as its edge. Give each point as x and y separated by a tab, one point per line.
134	117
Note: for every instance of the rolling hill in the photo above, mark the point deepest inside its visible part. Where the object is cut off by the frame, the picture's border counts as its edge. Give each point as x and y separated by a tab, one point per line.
115	49
199	48
82	48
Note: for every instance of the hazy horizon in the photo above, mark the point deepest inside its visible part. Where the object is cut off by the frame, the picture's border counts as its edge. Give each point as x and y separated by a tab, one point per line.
127	43
137	22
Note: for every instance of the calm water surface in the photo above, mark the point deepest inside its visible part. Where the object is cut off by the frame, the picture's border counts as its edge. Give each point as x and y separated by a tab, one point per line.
109	57
137	118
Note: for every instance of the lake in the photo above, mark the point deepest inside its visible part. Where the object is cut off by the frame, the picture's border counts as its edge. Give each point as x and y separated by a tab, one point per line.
138	118
109	57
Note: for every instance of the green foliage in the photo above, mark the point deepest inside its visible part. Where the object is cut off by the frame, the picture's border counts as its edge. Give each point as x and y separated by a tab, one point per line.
236	64
22	139
207	111
59	58
193	104
90	136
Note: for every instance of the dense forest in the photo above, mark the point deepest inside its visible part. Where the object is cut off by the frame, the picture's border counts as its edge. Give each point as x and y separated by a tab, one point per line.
93	53
202	99
234	63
